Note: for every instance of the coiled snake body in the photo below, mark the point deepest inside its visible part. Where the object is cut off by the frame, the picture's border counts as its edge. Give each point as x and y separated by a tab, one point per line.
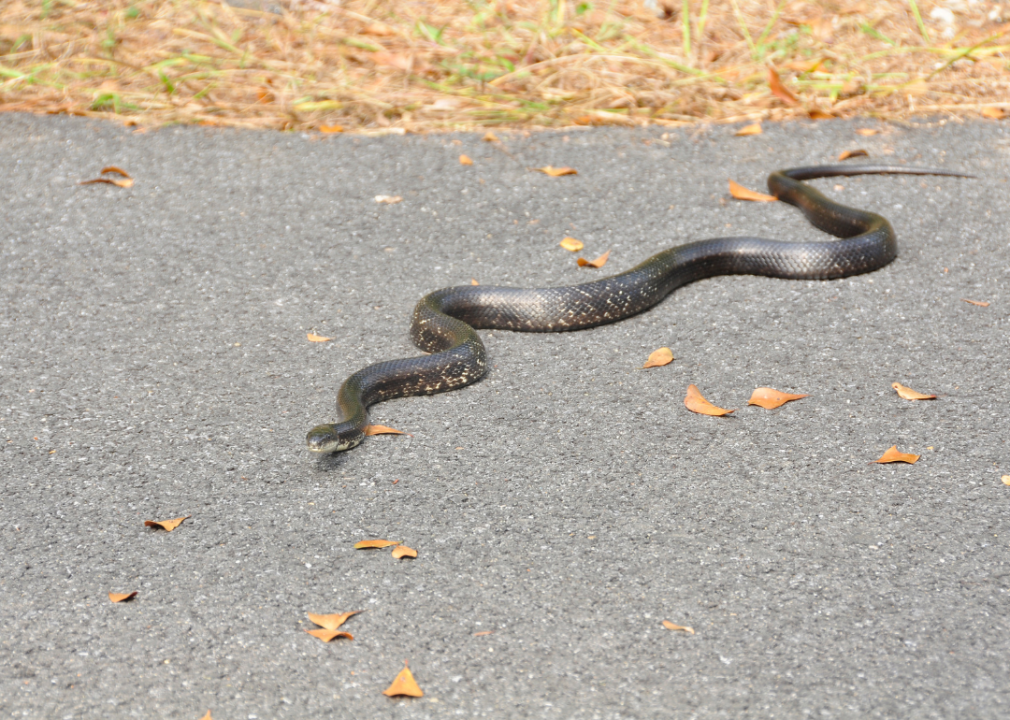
445	321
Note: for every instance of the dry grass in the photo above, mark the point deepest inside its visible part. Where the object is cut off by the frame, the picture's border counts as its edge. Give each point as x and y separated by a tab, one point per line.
389	66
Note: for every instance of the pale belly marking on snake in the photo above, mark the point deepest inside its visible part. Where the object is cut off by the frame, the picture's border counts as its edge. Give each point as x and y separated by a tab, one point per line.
445	321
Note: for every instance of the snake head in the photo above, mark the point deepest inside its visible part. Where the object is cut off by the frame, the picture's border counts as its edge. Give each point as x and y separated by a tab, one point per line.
325	439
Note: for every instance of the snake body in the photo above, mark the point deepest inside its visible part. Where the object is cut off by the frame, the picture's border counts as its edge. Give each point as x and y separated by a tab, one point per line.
445	321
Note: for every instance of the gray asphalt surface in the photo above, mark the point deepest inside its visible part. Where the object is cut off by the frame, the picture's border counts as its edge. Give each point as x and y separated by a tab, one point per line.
154	364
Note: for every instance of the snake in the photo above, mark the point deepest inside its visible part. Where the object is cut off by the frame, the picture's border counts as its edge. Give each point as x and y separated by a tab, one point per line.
445	322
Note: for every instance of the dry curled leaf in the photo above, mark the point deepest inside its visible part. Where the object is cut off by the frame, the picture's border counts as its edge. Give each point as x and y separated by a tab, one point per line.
125	180
116	170
327	635
659	358
365	544
558	172
597	263
853	153
312	337
769	398
489	137
909	394
866	132
994	113
682	628
388	199
329	129
1006	479
166	525
818	114
122	597
331	621
752	129
465	160
696	403
473	281
980	303
381	430
741	193
402	551
404	684
892	455
779	90
571	244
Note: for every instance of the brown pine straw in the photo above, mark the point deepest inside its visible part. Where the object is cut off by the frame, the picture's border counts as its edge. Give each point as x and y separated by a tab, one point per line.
407	65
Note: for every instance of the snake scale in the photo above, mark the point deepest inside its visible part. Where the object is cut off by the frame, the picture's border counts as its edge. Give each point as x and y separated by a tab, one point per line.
445	321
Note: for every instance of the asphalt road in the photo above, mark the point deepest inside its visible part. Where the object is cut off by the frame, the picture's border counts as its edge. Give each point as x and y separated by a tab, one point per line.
154	364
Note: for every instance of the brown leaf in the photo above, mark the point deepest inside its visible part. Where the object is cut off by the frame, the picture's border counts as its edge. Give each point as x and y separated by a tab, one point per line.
683	628
753	129
696	403
381	430
329	129
483	632
402	551
312	337
910	394
892	455
558	172
994	113
331	621
207	716
741	193
122	597
474	282
489	137
818	114
571	244
866	132
365	544
465	160
659	358
597	263
779	90
265	96
404	684
327	635
1006	479
980	303
124	183
378	29
388	199
166	525
116	170
853	153
769	398
395	60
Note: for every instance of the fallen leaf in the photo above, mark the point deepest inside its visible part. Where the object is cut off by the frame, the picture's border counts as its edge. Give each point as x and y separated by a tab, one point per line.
818	114
402	551
696	403
328	129
474	282
331	621
597	263
769	398
116	170
378	29
381	430
866	132
779	90
465	160
994	113
571	244
404	684
166	525
558	172
683	628
265	96
980	303
122	597
910	394
753	129
741	193
892	455
207	716
1006	479
489	137
659	358
317	338
124	183
327	635
405	63
853	153
483	632
365	544
388	199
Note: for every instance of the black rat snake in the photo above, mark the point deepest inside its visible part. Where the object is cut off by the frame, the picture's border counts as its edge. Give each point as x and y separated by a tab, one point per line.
445	321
